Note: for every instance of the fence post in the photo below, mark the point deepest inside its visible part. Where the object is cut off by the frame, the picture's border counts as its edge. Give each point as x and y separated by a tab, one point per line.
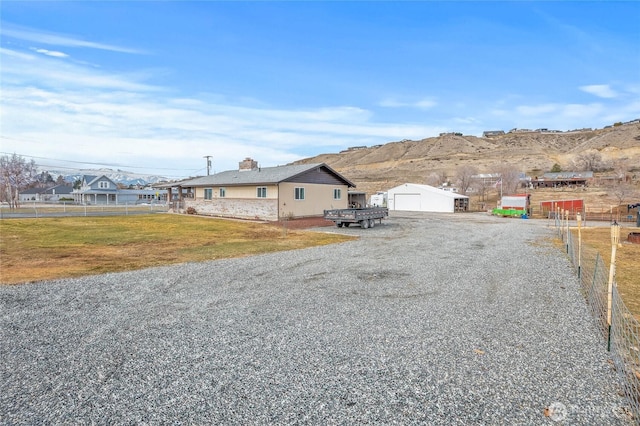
610	323
579	220
615	238
567	220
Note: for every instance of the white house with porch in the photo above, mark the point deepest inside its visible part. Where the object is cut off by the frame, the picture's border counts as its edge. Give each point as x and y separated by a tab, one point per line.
102	190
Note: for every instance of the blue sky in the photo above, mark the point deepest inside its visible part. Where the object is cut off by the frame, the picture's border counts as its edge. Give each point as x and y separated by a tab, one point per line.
152	87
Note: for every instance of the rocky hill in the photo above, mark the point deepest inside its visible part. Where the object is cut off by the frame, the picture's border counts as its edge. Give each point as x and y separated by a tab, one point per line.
385	166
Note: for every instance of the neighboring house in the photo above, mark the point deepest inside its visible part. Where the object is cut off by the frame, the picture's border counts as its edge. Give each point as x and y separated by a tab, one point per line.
266	193
425	198
492	133
51	194
96	190
55	193
553	180
102	190
31	194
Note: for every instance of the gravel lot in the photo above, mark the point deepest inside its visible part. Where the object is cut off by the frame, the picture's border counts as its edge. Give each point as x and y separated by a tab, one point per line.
428	318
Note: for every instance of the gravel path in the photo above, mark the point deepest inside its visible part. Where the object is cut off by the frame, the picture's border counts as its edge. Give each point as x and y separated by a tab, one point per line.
432	319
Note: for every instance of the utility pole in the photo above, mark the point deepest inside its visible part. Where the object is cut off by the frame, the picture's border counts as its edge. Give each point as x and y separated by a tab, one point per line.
208	157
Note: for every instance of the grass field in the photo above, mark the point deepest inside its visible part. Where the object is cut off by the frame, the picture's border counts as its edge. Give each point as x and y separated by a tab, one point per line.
49	248
627	261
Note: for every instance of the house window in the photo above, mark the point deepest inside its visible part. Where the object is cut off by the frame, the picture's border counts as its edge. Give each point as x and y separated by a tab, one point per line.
103	184
223	192
337	194
299	194
208	193
261	192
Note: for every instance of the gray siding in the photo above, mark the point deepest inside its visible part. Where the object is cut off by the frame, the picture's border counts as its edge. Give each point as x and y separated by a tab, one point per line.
320	175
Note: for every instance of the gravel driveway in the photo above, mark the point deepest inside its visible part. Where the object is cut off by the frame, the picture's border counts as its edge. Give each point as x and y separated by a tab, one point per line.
426	319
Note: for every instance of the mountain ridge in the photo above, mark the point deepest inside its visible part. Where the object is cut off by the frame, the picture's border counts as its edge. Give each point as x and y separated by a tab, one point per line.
381	167
118	176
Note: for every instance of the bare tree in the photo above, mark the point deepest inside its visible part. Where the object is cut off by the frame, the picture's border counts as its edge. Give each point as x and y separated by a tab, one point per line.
620	168
15	174
434	179
464	175
509	178
589	161
482	185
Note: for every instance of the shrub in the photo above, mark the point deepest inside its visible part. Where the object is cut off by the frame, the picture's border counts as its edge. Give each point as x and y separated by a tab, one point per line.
191	210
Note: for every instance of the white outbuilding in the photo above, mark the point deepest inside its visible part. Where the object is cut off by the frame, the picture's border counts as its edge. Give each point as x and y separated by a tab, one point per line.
425	198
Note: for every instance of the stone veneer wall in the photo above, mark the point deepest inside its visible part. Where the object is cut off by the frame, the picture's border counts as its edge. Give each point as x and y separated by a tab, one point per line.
266	209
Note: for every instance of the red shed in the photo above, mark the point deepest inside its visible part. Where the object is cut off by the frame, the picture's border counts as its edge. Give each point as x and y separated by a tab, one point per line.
573	206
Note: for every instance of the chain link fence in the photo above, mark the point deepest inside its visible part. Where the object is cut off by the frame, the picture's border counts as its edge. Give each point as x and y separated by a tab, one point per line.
618	326
40	209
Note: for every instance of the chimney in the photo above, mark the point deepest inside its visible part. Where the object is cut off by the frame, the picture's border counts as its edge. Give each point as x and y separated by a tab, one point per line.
248	164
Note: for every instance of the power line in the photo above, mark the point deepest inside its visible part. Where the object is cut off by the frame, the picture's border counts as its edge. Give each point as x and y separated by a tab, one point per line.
94	164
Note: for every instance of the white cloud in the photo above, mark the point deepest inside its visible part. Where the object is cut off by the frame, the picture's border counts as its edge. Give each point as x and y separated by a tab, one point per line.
32	35
391	103
53	53
420	104
55	109
600	90
24	68
425	104
16	55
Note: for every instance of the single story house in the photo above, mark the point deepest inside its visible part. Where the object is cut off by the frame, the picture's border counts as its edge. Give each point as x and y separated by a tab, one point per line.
492	133
102	190
31	194
425	198
51	194
266	193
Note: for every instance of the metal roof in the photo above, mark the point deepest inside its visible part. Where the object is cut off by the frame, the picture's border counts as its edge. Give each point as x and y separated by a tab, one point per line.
429	188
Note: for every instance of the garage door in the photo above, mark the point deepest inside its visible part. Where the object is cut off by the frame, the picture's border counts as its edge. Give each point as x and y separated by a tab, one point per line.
409	202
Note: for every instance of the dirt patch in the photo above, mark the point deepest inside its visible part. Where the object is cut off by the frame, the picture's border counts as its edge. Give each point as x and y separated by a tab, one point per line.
305	222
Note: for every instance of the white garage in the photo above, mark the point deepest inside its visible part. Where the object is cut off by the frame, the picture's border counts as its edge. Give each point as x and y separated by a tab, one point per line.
425	198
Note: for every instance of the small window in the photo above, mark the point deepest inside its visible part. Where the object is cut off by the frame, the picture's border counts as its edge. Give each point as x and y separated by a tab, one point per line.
299	194
337	194
223	192
261	192
208	193
103	184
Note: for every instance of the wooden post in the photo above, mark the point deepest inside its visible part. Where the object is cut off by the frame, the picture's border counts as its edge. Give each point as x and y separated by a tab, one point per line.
566	219
615	239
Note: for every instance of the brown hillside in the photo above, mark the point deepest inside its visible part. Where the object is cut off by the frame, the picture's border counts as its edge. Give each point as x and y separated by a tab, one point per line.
382	167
